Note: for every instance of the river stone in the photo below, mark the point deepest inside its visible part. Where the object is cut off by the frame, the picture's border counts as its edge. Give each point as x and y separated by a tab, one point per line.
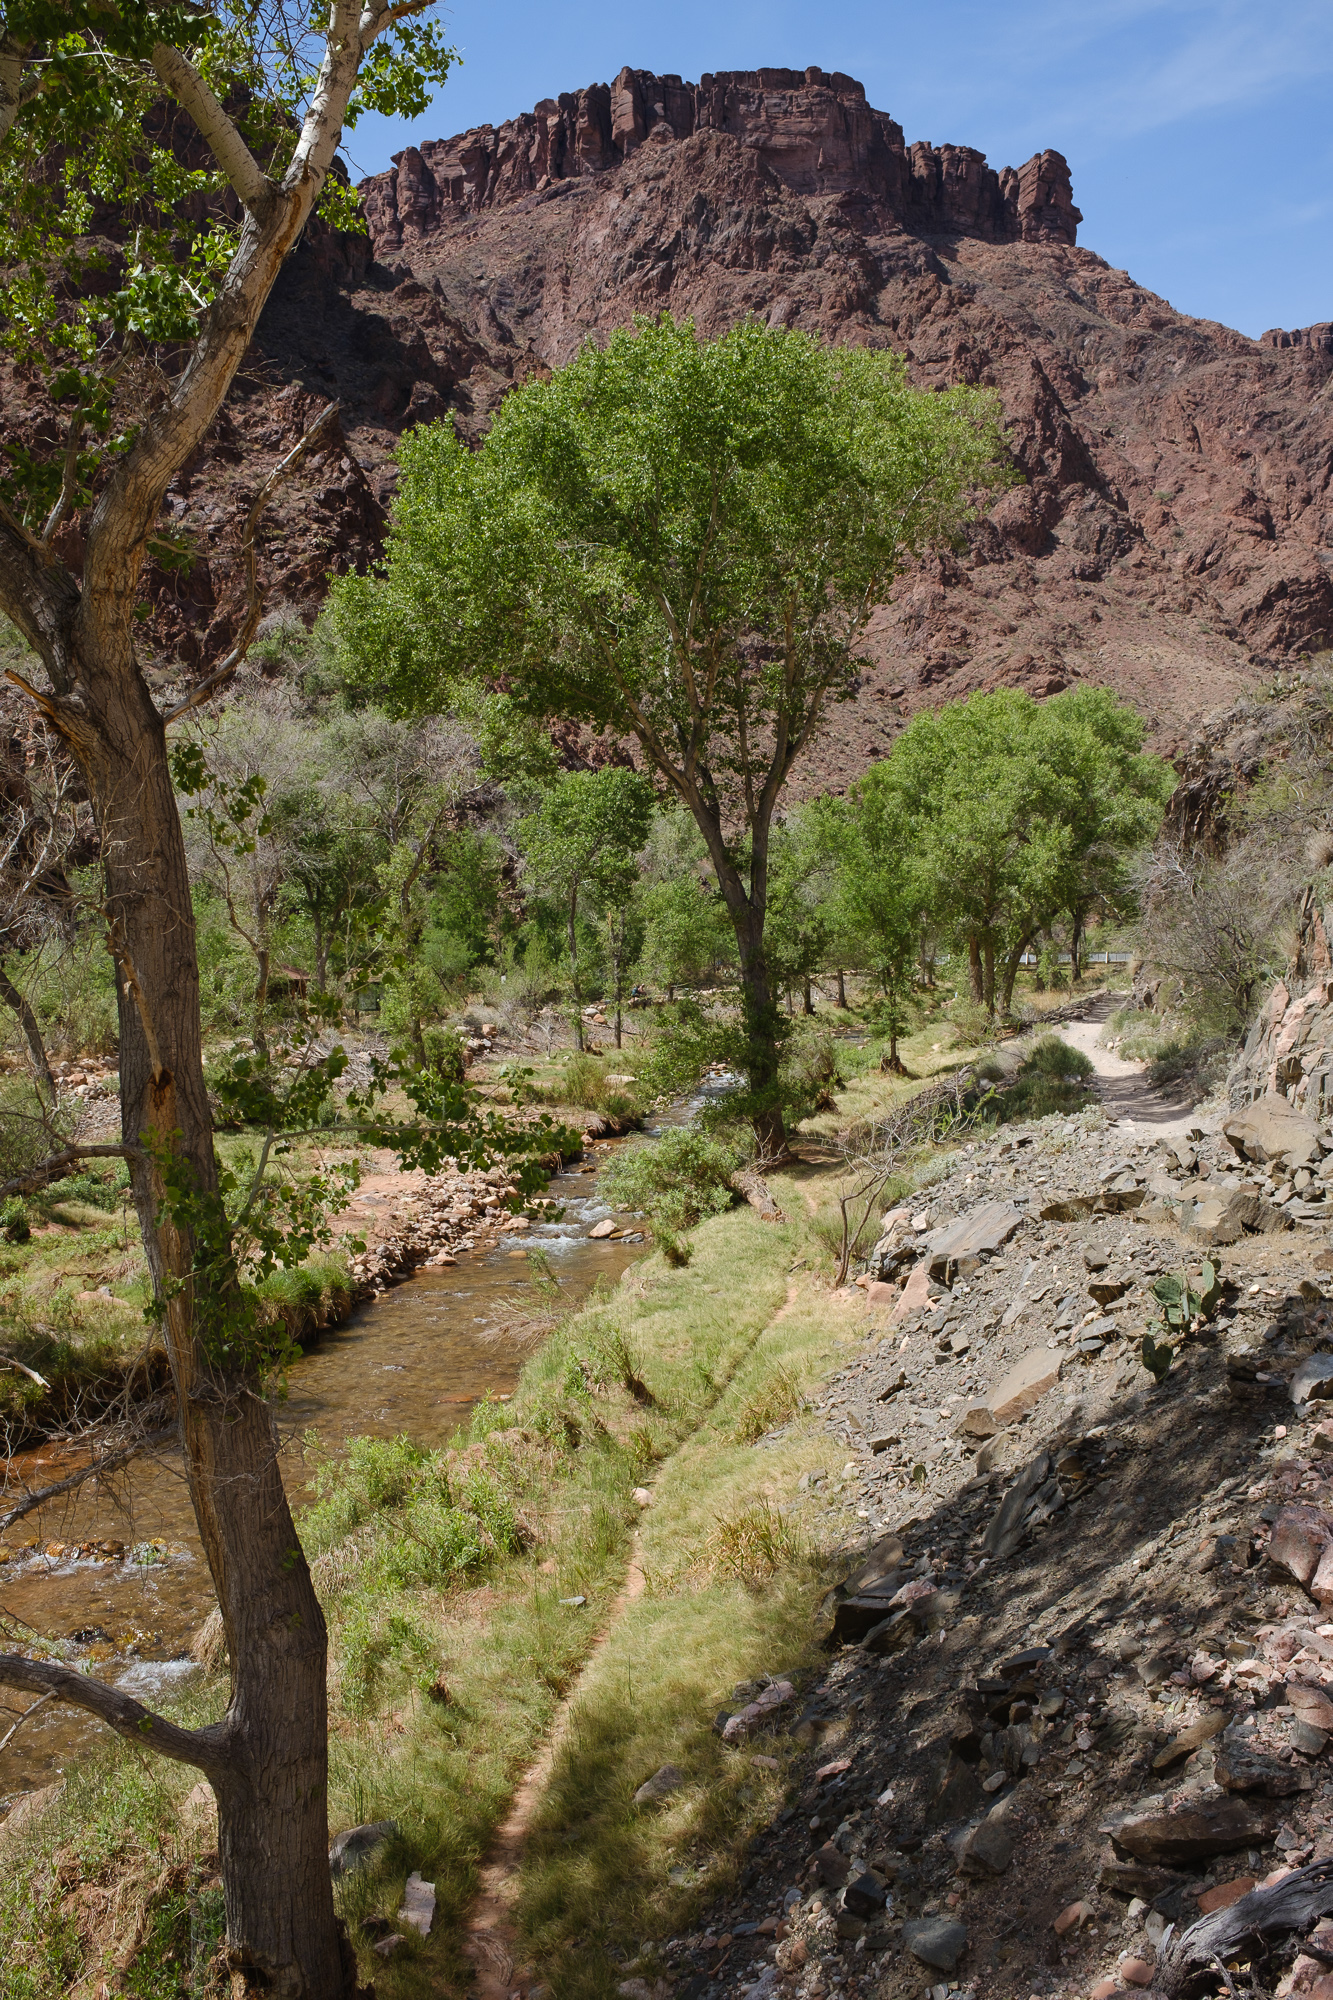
936	1941
348	1850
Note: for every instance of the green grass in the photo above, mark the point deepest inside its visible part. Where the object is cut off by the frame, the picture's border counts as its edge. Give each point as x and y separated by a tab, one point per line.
442	1574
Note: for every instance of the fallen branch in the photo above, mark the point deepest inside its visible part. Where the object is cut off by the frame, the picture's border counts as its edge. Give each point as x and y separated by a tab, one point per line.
8	1361
1187	1965
31	1709
755	1190
109	1462
206	1749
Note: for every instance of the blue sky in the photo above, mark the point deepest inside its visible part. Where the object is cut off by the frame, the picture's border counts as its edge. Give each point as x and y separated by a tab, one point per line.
1197	130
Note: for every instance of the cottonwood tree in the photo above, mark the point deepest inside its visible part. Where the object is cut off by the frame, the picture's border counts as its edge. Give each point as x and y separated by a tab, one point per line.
581	845
681	541
1019	811
257	99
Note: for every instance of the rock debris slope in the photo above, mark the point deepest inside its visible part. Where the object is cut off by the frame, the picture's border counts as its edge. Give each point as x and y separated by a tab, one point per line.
1080	1687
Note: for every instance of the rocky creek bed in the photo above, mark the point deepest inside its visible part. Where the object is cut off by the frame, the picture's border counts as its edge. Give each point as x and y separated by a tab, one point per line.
1080	1684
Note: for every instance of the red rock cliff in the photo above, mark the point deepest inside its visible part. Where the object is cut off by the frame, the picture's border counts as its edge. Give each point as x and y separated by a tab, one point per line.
813	131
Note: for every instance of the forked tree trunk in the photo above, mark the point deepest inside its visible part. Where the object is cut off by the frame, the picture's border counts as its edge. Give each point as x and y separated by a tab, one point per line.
32	1035
282	1933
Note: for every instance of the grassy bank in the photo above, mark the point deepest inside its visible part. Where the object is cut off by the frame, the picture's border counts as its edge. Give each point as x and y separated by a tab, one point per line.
447	1579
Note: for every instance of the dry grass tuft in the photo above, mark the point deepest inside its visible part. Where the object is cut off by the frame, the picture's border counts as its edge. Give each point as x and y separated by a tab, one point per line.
776	1400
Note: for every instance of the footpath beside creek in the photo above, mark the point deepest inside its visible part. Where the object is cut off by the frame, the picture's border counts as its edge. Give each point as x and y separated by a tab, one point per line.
1080	1687
115	1570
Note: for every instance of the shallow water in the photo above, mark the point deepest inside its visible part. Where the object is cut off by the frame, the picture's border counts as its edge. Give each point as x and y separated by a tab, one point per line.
415	1360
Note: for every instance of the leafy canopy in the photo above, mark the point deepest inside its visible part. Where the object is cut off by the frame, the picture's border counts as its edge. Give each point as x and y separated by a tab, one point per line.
117	224
675	536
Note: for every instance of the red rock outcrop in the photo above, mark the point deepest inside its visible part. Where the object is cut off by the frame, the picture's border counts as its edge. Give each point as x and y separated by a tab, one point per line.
1172	536
815	133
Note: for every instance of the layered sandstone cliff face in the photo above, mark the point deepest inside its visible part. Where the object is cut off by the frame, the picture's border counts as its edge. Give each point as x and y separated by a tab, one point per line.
1173	534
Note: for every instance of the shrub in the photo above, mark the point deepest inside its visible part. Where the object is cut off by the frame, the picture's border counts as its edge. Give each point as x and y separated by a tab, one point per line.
14	1220
1053	1056
676	1181
1050	1082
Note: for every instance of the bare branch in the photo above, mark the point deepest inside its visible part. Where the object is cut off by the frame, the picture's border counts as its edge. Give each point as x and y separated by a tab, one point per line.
31	1709
206	1749
255	597
69	480
110	1461
253	187
8	1361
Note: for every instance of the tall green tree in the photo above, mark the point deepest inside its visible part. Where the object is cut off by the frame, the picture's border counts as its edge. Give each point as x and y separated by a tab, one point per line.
680	540
1020	811
878	899
581	845
136	352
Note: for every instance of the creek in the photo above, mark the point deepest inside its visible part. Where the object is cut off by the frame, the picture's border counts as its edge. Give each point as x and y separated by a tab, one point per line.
413	1361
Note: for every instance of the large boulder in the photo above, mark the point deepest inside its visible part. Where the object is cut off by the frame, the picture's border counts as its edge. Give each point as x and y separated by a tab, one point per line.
1272	1129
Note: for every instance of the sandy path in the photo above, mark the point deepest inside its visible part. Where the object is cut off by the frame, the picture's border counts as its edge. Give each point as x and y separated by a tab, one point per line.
1123	1086
489	1940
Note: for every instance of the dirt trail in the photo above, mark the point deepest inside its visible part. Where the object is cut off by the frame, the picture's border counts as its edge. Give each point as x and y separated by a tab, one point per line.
1123	1086
489	1940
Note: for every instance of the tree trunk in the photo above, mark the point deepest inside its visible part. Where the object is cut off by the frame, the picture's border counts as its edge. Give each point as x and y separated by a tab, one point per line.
807	1000
574	967
321	953
842	989
1076	949
32	1035
282	1933
988	962
257	1033
1010	969
974	968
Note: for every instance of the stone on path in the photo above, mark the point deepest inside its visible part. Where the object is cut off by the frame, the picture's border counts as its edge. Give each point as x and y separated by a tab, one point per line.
1272	1129
1192	1832
982	1233
357	1843
660	1786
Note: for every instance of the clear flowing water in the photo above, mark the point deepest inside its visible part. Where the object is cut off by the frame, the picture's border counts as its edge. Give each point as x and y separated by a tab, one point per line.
415	1361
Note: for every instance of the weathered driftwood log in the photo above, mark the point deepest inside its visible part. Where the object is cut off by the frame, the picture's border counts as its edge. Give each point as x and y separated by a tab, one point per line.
755	1189
1189	1964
